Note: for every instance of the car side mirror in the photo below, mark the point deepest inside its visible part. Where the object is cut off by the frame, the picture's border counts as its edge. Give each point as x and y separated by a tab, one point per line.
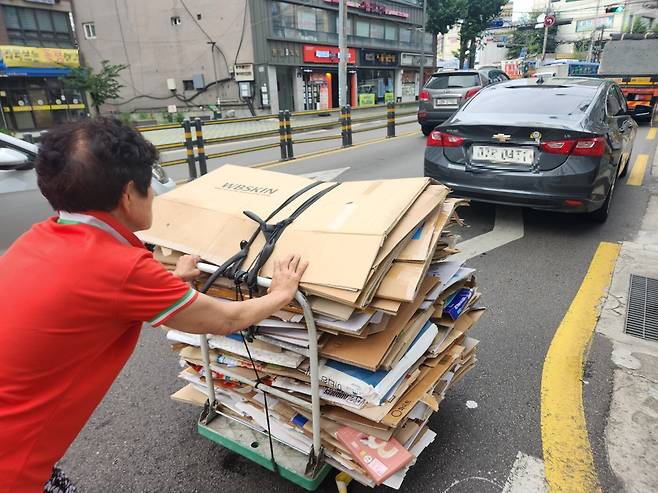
11	159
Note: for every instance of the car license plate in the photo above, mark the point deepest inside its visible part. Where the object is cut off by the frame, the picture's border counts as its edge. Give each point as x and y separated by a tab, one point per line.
503	155
445	102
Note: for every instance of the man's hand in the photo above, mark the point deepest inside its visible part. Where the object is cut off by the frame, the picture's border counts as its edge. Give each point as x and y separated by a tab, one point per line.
186	267
286	277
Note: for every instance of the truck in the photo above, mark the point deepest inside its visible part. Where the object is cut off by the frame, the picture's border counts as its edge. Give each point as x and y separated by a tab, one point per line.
633	65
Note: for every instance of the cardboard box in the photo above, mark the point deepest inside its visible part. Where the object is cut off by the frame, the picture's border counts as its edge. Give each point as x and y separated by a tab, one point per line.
348	225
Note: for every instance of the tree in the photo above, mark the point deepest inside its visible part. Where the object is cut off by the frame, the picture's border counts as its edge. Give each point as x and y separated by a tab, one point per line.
101	86
473	17
639	26
533	38
442	15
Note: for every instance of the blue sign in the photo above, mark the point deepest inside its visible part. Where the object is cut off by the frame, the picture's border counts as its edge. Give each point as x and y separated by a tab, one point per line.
497	23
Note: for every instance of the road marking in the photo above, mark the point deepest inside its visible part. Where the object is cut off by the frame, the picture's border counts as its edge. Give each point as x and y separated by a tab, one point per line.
568	461
508	227
327	152
527	474
326	175
651	134
637	172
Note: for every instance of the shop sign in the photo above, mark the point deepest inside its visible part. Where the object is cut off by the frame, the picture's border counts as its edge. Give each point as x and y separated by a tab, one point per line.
373	8
379	58
389	97
243	72
326	54
413	60
31	57
366	99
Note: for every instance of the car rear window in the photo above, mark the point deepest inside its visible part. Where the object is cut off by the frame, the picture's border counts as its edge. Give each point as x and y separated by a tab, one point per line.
444	81
535	100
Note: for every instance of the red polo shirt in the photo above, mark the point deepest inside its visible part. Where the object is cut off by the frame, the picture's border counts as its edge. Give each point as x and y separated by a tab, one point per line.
74	292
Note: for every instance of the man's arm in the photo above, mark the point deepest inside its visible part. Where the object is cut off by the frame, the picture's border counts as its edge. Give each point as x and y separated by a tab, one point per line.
207	315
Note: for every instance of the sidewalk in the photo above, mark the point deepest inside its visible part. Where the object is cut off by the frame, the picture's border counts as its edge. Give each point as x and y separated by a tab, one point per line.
632	428
233	129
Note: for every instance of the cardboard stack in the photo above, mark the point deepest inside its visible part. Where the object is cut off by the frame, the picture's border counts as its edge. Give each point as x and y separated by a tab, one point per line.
393	311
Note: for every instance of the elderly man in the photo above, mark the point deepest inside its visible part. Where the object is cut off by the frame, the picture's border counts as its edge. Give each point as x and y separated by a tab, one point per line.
76	289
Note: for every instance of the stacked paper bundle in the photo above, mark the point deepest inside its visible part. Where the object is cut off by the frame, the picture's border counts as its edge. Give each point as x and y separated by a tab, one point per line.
393	311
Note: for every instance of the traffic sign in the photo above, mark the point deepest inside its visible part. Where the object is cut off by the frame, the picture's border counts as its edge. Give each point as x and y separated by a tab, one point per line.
549	20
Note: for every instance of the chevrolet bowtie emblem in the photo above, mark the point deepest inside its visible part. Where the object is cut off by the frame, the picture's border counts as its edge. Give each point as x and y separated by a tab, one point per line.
501	137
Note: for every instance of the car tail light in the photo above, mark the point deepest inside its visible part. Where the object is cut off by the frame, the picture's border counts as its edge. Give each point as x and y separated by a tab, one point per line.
424	96
577	147
442	139
472	92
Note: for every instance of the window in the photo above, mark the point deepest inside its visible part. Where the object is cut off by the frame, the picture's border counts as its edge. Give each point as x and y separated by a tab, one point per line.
377	30
37	27
534	100
363	28
306	19
405	35
391	32
89	29
175	20
188	85
444	81
590	24
613	105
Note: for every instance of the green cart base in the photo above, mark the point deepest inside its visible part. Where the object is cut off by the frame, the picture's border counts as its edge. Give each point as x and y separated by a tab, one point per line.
254	446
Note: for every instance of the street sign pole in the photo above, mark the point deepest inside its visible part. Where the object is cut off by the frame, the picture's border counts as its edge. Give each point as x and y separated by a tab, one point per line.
543	50
591	41
343	54
422	51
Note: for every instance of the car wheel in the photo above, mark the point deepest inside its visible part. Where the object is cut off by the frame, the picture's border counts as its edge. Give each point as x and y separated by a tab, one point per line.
601	215
426	130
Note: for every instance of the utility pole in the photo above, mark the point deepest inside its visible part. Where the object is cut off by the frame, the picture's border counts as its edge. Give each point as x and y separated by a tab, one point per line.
422	50
596	22
214	69
543	50
343	53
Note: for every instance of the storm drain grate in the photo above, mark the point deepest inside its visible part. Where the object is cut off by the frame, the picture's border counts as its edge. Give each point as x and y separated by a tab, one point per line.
642	309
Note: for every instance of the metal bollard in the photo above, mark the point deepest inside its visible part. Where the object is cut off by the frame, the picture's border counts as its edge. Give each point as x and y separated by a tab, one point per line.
189	149
28	138
343	125
282	136
201	150
291	154
348	110
390	119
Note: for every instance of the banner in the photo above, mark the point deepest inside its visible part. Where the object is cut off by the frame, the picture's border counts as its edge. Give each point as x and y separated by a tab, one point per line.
326	54
31	57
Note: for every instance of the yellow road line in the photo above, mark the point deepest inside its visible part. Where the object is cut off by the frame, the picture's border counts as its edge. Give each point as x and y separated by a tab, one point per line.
651	134
637	172
327	152
568	461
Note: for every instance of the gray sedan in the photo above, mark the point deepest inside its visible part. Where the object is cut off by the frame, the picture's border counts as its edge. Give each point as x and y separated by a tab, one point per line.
556	144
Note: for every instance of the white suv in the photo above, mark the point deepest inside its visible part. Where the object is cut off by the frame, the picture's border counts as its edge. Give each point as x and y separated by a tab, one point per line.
21	202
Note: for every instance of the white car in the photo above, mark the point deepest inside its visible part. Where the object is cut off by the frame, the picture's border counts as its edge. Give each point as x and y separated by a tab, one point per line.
21	202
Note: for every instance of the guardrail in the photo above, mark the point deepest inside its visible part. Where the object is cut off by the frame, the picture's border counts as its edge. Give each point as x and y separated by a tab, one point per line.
284	130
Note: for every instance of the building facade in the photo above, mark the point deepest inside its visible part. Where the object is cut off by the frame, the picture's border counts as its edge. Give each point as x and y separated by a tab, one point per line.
593	21
37	49
269	54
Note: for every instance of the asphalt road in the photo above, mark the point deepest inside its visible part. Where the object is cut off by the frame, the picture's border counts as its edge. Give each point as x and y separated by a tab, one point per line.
140	440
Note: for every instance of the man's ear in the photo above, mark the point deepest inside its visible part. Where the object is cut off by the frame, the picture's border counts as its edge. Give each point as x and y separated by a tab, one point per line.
127	195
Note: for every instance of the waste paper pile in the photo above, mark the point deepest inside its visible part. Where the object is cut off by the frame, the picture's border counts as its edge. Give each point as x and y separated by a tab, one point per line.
392	310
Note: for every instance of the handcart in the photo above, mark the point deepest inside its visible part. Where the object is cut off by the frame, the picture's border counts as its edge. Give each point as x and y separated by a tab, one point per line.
294	465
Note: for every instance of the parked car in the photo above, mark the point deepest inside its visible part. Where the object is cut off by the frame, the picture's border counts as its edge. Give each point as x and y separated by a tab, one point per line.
21	202
445	92
556	144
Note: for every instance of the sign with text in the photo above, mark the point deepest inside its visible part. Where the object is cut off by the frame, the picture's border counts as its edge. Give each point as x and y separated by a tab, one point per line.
376	58
326	54
373	8
414	59
31	57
